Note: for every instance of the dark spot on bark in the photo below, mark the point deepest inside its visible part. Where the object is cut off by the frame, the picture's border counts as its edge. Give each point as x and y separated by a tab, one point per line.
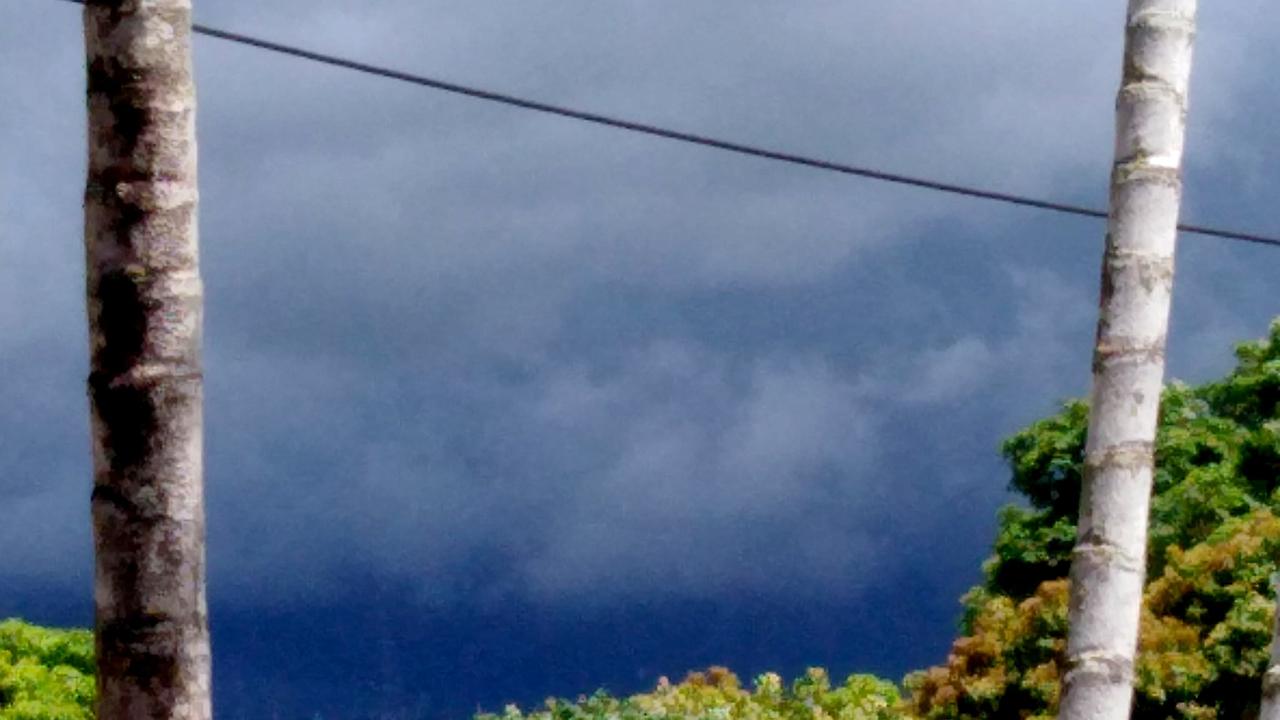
108	494
128	412
130	120
1106	290
114	7
107	77
122	320
129	217
148	668
131	646
129	420
1090	537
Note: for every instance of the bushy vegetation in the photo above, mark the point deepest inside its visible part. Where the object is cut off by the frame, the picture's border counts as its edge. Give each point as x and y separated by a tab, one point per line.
45	674
717	694
1213	546
1206	623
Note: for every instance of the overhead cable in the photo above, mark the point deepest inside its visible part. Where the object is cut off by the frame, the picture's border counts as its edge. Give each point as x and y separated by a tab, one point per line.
695	139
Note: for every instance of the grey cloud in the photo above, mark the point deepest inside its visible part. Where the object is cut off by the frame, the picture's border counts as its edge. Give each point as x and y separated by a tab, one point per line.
679	473
1041	349
950	372
399	376
688	504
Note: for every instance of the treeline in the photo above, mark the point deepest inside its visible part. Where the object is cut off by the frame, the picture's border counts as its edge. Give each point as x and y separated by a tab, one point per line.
1206	623
45	674
1208	607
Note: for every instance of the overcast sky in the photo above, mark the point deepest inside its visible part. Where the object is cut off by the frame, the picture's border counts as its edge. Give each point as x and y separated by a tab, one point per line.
502	405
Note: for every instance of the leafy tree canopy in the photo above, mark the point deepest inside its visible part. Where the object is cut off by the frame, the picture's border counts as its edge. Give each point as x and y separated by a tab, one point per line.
1214	543
717	694
45	674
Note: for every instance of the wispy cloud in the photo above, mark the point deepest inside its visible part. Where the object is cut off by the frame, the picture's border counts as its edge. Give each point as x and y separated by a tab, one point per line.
487	352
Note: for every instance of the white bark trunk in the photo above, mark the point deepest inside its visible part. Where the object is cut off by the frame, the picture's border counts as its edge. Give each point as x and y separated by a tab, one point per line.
1271	678
144	309
1108	566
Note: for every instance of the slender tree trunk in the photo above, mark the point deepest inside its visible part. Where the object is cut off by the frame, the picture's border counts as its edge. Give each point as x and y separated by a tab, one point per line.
1108	566
1271	678
144	310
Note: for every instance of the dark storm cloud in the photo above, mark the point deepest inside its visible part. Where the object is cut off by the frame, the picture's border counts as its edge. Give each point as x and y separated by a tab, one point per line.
494	354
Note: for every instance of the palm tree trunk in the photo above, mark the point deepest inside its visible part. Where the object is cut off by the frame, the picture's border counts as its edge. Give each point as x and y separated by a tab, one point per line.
144	310
1271	678
1108	566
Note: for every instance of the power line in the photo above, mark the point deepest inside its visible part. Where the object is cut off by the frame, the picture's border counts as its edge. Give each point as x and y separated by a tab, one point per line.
883	176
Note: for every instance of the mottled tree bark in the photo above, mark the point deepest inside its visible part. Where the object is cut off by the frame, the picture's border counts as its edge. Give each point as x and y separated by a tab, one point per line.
1108	565
144	310
1271	678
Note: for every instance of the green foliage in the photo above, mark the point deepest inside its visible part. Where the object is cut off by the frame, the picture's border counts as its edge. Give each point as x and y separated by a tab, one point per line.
1251	394
1217	457
718	695
1046	459
45	674
1032	547
1214	543
1205	631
